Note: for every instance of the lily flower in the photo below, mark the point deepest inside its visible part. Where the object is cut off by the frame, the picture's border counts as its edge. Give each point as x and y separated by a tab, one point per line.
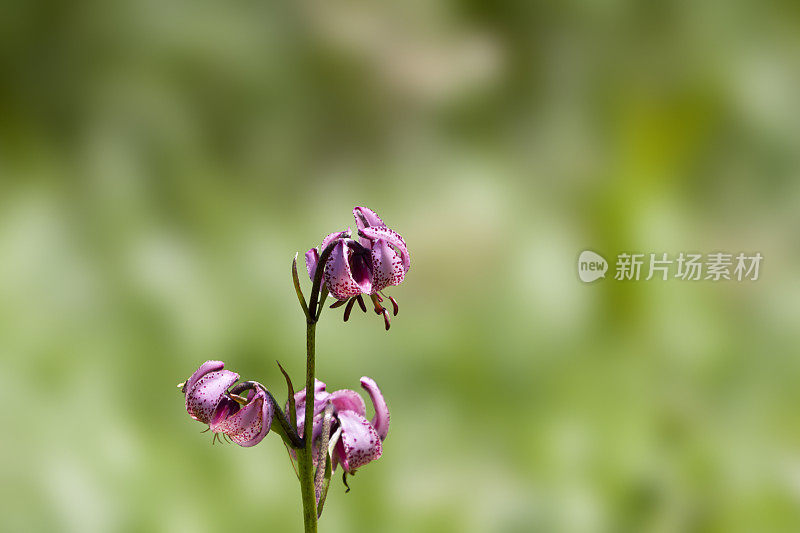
245	420
354	441
378	259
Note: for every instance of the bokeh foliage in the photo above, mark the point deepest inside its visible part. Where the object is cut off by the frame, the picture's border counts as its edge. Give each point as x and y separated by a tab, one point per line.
161	162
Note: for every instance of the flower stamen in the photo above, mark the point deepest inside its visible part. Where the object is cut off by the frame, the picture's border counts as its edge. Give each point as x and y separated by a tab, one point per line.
238	399
386	318
337	303
376	301
361	303
395	306
349	308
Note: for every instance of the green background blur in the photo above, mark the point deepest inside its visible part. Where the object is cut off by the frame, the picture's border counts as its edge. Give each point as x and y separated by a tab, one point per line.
161	163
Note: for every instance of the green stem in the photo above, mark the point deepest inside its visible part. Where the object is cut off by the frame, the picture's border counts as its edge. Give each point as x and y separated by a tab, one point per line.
305	456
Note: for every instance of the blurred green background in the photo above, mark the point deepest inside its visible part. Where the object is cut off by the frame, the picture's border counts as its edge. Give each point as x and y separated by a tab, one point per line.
161	163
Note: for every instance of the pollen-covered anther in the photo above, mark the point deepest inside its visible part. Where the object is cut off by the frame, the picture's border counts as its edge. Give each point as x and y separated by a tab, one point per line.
386	318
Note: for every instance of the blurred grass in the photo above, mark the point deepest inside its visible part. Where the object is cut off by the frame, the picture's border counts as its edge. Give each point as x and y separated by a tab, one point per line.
160	164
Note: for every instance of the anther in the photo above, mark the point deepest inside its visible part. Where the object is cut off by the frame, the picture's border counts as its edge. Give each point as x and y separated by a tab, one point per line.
361	303
376	301
395	307
349	308
386	319
337	303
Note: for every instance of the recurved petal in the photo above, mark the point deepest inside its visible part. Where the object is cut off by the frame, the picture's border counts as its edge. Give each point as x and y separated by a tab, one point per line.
339	277
393	238
387	266
381	419
360	443
250	424
366	217
205	394
348	400
205	368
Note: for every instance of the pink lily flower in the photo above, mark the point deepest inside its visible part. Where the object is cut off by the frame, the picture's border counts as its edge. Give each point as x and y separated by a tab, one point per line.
244	420
354	441
378	259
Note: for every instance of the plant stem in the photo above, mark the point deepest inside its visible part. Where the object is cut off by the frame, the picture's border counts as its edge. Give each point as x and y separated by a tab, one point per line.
305	456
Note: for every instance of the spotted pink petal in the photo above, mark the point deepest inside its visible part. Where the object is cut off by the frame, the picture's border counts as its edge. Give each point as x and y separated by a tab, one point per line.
339	276
387	266
360	443
381	419
393	238
249	425
348	400
206	390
